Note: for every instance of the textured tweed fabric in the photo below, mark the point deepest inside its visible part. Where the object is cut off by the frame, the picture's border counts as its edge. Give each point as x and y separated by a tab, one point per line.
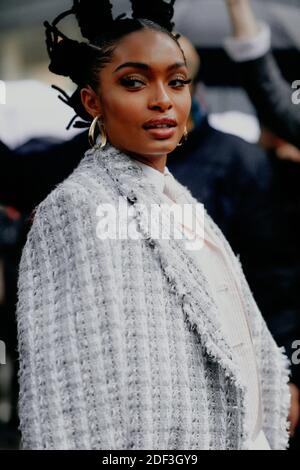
120	345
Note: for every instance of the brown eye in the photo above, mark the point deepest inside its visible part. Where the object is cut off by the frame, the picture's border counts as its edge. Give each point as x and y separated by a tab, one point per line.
128	82
182	82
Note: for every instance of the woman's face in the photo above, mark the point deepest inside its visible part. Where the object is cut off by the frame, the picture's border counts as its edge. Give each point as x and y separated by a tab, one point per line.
131	95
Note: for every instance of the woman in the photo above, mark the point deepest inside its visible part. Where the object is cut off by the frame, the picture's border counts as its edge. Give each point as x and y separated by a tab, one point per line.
128	342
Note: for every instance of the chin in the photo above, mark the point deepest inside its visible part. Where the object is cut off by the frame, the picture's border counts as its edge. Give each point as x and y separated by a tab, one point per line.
154	148
162	146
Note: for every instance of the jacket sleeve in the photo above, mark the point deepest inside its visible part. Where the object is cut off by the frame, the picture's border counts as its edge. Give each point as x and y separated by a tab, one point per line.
71	348
271	96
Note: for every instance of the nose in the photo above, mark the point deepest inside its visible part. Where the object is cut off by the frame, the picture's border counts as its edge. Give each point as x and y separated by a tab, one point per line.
160	100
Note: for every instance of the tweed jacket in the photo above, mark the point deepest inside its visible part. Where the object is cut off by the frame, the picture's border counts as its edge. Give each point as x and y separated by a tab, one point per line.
120	345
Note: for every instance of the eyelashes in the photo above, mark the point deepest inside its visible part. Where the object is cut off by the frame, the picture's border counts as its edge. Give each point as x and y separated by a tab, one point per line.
127	82
186	82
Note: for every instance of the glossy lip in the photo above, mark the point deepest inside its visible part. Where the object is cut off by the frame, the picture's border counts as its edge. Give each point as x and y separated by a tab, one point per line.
155	122
161	133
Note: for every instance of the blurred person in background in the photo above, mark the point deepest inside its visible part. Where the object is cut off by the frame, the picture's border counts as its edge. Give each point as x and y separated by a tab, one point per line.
30	172
276	279
11	242
269	92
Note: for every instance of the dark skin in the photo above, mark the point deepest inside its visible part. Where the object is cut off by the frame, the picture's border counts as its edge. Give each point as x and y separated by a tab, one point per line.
148	93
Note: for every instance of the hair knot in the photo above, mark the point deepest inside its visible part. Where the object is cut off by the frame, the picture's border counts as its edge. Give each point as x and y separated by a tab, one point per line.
158	11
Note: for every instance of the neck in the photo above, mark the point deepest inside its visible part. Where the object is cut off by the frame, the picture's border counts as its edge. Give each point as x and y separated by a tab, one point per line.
158	163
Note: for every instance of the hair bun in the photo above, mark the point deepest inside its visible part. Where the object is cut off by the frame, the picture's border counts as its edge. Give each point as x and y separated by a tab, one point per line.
155	10
93	16
68	58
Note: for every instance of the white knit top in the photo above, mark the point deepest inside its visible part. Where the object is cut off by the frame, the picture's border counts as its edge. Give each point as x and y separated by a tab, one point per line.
224	288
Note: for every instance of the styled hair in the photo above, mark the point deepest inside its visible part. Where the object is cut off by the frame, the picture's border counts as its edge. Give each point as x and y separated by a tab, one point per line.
81	61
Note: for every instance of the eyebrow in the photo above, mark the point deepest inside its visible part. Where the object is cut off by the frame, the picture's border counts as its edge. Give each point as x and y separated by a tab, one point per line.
141	65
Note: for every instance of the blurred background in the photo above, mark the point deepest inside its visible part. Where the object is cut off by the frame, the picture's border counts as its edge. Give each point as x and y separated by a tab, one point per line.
23	56
29	108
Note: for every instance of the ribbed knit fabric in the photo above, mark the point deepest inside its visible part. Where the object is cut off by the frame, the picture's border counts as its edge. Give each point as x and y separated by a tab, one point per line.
119	340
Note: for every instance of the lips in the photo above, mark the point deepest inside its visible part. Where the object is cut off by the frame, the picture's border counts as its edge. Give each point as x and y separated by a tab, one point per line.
165	123
161	133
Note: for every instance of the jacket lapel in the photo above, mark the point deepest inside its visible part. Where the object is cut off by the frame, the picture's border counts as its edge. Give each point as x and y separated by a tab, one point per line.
185	277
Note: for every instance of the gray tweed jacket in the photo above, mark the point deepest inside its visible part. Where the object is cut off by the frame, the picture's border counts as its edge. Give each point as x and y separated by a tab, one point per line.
120	345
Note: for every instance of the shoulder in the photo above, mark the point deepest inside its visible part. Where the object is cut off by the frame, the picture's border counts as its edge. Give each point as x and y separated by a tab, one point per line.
84	189
65	197
65	225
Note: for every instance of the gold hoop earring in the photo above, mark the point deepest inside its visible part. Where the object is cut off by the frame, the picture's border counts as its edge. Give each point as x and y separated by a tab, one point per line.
184	138
97	121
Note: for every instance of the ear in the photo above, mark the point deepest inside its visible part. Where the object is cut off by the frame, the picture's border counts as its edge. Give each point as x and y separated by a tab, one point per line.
90	101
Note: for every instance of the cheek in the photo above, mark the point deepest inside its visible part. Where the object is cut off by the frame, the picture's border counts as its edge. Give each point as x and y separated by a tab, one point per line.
124	108
184	105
